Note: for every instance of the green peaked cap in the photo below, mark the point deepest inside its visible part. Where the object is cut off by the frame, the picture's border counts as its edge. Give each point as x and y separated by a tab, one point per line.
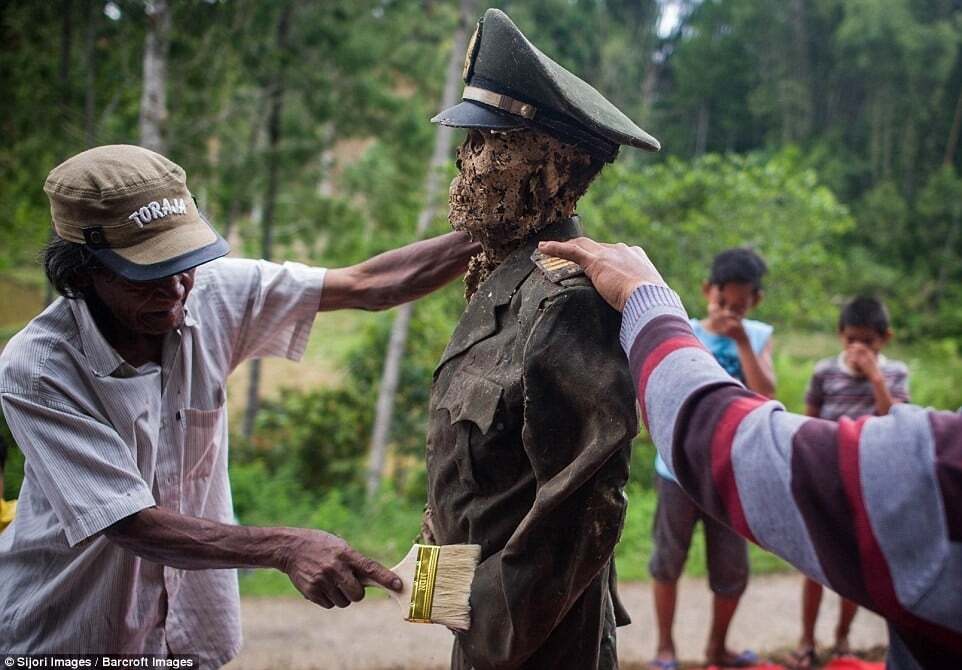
511	84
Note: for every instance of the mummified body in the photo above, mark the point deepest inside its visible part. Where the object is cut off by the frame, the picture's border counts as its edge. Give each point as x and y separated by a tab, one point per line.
532	407
523	458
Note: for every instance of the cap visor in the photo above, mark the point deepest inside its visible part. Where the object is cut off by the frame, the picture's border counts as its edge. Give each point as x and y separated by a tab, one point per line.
176	250
470	114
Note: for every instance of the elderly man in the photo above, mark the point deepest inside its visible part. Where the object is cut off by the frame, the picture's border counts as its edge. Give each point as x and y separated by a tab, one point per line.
124	541
870	508
522	458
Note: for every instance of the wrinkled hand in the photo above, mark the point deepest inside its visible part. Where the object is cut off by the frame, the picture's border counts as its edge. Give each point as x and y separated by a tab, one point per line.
616	270
725	323
327	571
863	360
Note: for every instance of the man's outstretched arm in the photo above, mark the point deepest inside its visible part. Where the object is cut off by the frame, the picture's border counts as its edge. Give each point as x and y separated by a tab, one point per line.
398	276
872	508
323	567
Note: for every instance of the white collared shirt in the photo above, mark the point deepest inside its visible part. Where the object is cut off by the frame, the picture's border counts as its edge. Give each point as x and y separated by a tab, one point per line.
103	440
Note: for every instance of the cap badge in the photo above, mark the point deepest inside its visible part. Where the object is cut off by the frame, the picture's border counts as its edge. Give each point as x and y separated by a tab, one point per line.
471	54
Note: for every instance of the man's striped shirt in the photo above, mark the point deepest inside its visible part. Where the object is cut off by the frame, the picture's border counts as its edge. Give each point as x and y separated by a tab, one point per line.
103	440
871	508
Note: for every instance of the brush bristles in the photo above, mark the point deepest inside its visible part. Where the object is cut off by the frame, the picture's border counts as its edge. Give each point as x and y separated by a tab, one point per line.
452	586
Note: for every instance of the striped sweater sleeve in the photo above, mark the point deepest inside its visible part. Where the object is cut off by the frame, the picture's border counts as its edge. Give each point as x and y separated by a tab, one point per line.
871	508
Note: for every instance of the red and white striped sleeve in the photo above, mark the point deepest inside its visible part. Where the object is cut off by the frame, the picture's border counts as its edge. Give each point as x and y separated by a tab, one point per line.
871	508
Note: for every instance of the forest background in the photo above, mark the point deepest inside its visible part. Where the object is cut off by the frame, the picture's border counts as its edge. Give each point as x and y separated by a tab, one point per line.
823	133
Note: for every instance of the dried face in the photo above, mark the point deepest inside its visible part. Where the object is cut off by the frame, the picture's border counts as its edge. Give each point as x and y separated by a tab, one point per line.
512	185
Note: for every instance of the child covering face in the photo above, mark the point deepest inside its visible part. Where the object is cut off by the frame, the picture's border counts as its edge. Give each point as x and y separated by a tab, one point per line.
859	381
743	347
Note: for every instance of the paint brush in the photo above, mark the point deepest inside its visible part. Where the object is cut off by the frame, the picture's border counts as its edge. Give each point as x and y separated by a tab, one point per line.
436	584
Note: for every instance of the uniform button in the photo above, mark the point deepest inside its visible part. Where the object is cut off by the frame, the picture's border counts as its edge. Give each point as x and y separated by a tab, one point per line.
500	426
177	416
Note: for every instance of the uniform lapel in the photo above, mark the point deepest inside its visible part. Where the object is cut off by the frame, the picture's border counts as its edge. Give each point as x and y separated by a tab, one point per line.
478	321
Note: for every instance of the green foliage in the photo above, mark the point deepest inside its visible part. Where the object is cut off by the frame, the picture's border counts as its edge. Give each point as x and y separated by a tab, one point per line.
935	368
13	470
318	439
818	132
685	213
910	252
385	529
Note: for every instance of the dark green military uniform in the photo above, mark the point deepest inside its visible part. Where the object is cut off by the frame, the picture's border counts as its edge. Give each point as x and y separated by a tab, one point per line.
533	407
532	415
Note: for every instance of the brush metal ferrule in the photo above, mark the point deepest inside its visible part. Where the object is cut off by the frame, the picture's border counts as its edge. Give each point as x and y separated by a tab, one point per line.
422	586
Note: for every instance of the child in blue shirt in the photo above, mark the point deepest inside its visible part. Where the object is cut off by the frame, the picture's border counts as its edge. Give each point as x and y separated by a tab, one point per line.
743	347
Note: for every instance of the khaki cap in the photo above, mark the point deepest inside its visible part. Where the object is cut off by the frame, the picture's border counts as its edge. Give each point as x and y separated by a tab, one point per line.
130	206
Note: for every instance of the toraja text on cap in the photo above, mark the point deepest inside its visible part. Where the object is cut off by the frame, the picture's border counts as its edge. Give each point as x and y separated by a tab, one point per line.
121	189
158	210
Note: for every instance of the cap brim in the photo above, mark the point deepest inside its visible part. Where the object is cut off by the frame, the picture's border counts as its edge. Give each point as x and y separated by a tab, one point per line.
176	250
470	114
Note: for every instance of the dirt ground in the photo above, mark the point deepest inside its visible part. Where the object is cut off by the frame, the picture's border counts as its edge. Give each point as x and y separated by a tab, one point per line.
295	635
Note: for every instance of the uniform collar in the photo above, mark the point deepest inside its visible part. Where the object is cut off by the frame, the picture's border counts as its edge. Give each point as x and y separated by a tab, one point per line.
505	279
102	358
478	320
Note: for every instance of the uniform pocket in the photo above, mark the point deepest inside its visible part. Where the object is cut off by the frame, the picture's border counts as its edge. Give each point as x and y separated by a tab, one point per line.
472	398
202	440
473	404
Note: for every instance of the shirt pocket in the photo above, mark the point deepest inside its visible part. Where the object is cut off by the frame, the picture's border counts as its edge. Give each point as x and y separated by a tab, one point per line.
473	403
203	430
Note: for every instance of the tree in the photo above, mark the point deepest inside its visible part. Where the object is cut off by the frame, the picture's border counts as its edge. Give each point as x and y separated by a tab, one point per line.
153	103
686	212
276	97
399	330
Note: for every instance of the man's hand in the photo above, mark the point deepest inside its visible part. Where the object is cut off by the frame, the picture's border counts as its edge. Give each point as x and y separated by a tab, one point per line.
327	571
863	361
725	323
398	276
322	566
616	270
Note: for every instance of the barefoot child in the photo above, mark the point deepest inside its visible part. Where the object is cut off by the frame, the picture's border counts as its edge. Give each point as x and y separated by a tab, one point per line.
859	381
744	349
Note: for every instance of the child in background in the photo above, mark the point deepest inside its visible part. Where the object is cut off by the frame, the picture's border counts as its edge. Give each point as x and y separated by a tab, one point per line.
858	382
744	349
